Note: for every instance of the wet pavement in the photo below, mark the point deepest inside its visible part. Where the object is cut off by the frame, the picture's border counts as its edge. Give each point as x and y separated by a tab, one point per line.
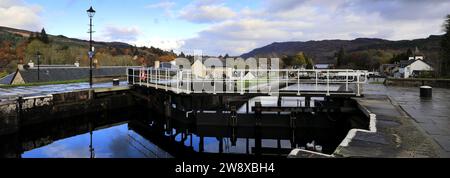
12	93
432	115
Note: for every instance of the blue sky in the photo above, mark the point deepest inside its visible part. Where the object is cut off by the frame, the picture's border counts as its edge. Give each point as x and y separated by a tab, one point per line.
228	26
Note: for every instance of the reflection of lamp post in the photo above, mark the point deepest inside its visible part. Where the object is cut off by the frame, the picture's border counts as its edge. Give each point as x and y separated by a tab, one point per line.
91	13
91	147
38	55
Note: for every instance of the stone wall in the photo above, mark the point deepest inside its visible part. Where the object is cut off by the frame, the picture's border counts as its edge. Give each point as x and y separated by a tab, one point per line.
438	83
32	110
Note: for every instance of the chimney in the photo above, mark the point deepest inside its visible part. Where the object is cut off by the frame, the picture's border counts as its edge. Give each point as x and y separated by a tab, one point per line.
20	65
157	64
31	64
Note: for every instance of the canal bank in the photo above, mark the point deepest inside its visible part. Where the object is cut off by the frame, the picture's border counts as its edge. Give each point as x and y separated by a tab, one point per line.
394	134
390	132
430	114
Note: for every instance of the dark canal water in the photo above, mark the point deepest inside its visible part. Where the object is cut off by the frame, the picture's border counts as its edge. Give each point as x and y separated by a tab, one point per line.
132	133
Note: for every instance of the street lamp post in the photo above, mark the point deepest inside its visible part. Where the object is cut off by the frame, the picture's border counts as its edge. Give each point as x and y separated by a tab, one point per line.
91	13
38	54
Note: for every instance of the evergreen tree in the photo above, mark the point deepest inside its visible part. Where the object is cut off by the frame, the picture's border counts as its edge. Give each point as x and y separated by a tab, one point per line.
309	63
44	37
340	57
182	55
409	53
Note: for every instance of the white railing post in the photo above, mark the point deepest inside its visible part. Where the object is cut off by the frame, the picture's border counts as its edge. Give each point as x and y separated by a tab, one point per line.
133	76
177	80
189	83
328	82
128	75
287	78
242	82
257	79
317	80
298	82
269	82
346	80
357	84
167	79
213	80
151	75
156	78
140	75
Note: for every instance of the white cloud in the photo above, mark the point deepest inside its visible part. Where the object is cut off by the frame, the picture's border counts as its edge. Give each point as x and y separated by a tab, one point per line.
166	6
294	20
123	34
165	44
17	14
206	13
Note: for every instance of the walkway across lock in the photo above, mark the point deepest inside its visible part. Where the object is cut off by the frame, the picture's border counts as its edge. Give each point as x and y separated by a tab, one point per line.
259	82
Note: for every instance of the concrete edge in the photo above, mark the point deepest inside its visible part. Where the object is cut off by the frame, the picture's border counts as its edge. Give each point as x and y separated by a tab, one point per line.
295	152
352	133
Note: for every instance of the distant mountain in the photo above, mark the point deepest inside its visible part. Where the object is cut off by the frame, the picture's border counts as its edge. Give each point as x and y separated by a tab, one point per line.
20	45
324	51
60	39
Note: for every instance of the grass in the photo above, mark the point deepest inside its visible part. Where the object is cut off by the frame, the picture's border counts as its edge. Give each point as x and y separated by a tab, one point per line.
45	83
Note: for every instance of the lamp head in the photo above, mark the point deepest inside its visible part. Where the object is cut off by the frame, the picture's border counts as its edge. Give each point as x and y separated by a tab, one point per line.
91	12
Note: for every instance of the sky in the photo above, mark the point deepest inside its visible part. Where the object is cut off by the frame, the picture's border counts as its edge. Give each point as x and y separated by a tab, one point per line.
234	27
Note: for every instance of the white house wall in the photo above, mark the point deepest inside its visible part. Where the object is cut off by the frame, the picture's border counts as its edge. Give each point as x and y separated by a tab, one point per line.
419	65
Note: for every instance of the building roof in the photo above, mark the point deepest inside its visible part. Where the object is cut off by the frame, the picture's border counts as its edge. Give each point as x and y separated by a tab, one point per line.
405	63
7	79
48	74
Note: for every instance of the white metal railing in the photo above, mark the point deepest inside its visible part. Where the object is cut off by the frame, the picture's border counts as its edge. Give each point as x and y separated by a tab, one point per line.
243	81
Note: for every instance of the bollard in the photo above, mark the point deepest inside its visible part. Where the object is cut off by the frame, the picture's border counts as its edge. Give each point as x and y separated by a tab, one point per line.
116	82
426	92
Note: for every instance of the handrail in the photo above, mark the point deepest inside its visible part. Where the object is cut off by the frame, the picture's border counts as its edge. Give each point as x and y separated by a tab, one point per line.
186	80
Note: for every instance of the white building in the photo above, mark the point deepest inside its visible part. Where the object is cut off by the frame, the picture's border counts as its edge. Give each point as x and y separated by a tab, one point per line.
412	67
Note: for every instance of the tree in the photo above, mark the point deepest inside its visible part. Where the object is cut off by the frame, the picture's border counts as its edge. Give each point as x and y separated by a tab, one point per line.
182	55
340	57
309	62
44	37
398	57
300	59
409	53
445	44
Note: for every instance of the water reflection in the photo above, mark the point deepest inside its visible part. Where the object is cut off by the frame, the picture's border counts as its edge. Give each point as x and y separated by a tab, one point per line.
138	134
114	142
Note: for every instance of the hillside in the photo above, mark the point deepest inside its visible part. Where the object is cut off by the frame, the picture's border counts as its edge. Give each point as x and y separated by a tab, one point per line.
18	45
324	51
